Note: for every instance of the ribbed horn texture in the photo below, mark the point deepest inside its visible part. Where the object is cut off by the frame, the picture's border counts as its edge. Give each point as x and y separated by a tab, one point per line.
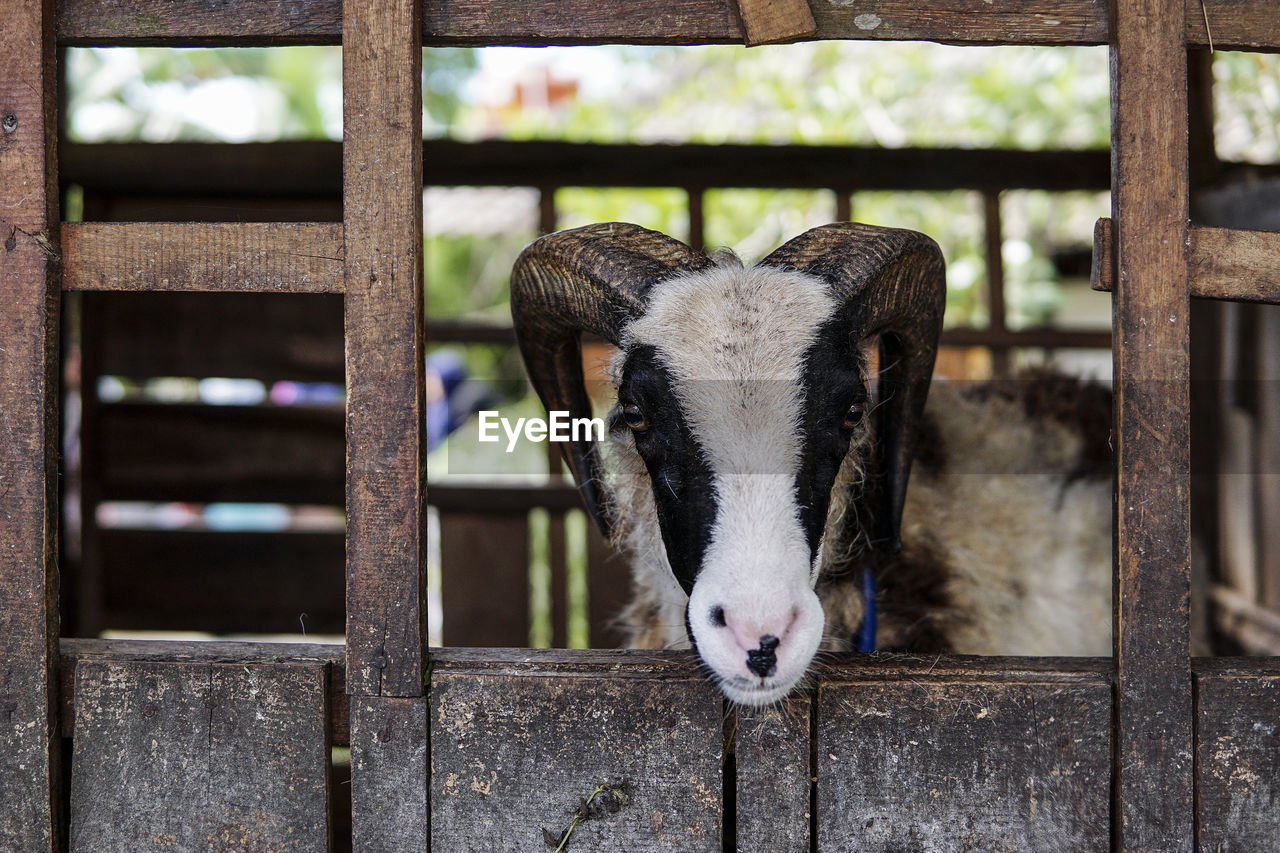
593	279
893	285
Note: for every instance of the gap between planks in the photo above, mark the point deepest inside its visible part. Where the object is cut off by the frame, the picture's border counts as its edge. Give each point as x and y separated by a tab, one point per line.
247	257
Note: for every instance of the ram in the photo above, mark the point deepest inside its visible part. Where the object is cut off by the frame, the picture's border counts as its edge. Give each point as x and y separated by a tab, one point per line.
761	444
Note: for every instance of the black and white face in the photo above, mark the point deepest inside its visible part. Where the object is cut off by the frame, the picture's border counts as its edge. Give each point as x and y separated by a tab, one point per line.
742	391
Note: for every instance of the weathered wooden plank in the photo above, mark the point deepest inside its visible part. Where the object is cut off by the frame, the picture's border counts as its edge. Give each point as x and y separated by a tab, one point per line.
331	655
199	756
386	516
773	792
774	21
1153	760
1238	765
313	168
1236	24
197	580
1223	263
517	752
264	336
29	304
484	586
389	758
155	452
932	765
271	257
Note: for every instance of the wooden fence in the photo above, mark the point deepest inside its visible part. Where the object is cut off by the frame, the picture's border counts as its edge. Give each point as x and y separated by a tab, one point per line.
227	747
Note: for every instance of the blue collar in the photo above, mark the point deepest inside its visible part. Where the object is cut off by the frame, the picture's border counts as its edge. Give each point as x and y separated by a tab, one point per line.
867	630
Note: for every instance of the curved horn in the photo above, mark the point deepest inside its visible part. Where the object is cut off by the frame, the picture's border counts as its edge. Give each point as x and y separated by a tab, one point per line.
893	284
593	279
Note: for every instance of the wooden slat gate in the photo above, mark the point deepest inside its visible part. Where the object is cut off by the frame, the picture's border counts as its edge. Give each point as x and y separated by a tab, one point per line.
226	747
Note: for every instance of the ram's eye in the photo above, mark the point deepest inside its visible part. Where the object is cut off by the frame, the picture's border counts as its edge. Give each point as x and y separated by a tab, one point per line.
853	417
634	418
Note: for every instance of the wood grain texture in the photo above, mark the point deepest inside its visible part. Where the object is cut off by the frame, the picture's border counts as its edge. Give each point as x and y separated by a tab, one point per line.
220	651
1234	24
1153	761
516	749
268	257
389	758
29	307
386	516
774	21
773	802
199	756
1231	263
1238	765
264	336
932	765
1223	263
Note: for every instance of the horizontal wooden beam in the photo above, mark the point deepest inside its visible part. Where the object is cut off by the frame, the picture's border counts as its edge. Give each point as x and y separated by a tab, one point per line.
226	257
314	168
1027	338
837	668
74	650
505	499
1224	263
1233	24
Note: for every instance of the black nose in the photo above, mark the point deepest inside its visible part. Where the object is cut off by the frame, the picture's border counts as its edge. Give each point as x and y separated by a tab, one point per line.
762	661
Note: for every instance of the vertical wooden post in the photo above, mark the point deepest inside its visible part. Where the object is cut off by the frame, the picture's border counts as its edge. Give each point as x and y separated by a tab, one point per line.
697	219
382	203
993	230
387	662
1153	760
29	301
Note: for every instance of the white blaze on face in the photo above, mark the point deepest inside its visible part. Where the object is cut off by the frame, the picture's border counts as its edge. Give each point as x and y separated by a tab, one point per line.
734	341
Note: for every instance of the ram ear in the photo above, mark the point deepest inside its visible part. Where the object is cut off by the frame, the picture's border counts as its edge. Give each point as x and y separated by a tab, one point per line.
594	279
892	286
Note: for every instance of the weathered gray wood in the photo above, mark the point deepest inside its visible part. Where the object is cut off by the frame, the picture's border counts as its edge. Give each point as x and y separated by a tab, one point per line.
1238	763
516	749
1238	24
30	800
74	650
386	458
199	757
1150	309
932	765
389	757
274	257
773	792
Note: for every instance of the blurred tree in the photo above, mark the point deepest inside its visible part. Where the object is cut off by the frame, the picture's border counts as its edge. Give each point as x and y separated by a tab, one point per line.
233	94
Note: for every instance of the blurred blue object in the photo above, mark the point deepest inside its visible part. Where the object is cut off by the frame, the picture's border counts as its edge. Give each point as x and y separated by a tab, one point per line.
452	397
